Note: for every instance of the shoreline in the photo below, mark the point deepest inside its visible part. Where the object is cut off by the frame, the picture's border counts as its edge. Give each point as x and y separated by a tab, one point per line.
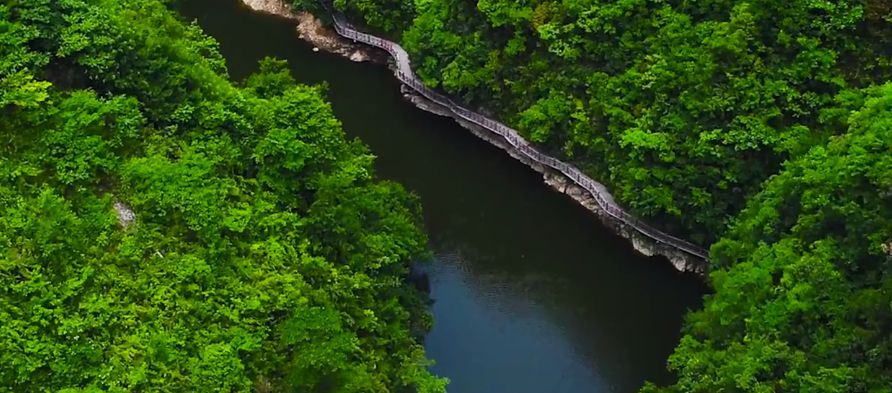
311	30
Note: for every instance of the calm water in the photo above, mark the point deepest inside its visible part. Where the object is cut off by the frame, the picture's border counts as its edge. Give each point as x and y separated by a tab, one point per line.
531	293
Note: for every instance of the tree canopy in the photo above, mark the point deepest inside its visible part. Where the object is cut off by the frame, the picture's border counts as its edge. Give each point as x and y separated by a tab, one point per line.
667	102
803	294
262	255
759	127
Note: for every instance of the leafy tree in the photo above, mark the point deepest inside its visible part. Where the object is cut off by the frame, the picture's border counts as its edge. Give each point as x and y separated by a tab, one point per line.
803	282
758	126
264	254
705	88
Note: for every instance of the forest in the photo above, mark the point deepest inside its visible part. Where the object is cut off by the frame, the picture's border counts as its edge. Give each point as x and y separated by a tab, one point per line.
164	230
760	128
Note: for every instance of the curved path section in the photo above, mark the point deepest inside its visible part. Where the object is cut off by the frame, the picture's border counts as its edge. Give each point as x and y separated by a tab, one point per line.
597	190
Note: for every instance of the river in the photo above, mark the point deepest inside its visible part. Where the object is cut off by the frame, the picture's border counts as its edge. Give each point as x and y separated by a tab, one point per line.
531	294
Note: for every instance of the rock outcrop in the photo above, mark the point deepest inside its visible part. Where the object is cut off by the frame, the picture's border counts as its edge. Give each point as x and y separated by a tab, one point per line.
312	30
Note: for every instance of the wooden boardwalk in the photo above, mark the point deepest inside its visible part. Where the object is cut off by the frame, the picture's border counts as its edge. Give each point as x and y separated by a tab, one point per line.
600	193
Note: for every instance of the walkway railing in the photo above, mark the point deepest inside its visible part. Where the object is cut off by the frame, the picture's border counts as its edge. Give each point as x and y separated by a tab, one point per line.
597	190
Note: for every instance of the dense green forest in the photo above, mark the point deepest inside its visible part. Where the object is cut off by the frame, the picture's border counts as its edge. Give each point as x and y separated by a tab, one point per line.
263	254
762	128
683	108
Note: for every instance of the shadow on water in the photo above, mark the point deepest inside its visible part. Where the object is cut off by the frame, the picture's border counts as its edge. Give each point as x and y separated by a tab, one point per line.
531	293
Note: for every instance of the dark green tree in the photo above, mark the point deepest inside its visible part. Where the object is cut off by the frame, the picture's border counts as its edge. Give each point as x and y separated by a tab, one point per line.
164	230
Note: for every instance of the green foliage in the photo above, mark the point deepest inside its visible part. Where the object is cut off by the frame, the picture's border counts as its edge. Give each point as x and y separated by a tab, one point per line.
695	113
803	285
388	15
264	255
668	102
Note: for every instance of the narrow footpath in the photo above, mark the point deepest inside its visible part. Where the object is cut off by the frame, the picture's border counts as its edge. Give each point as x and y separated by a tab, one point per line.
598	191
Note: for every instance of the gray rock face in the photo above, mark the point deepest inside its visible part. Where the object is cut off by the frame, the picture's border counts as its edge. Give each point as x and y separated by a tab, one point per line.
310	29
126	217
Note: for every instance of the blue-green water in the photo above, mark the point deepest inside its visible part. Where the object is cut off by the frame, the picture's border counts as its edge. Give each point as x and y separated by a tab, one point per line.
532	294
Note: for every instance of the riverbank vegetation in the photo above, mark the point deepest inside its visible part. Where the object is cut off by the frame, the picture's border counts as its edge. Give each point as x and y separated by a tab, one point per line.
760	127
165	230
